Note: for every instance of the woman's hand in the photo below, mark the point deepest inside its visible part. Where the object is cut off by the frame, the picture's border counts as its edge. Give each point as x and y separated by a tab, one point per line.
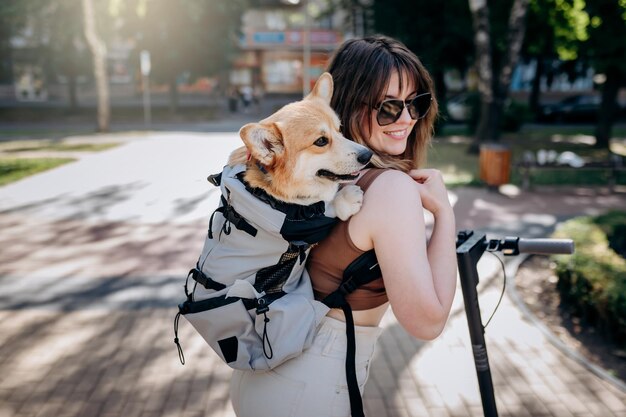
432	189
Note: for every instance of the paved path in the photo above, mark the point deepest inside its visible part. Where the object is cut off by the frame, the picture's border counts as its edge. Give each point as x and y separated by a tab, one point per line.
92	258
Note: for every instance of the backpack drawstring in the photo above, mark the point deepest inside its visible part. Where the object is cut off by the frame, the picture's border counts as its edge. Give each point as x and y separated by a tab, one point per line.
181	355
262	307
266	340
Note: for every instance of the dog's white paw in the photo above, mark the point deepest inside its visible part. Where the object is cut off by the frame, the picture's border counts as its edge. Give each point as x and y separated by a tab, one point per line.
348	201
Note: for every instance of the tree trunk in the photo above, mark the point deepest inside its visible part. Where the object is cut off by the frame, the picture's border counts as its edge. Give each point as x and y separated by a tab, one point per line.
99	52
494	91
515	38
608	108
535	92
484	68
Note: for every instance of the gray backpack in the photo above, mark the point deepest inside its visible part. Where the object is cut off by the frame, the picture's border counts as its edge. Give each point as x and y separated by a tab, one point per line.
251	298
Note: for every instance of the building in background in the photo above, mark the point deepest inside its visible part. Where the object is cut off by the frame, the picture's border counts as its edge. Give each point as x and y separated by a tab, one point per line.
272	45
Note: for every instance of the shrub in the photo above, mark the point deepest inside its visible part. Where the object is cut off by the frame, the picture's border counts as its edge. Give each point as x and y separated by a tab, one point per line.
613	224
592	281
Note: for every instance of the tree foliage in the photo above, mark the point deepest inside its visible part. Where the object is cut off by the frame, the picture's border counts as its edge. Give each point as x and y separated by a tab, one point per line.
194	36
606	48
496	57
440	33
12	19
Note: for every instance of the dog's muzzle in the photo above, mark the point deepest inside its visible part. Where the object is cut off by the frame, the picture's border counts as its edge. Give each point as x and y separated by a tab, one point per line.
364	156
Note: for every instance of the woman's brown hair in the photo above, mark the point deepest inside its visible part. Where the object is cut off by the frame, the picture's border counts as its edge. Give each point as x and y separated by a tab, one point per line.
361	70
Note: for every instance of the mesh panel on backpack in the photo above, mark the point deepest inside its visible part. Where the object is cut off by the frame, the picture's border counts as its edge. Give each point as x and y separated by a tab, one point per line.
272	278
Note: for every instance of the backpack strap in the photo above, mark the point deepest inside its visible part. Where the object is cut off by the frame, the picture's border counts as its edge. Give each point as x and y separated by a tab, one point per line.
207	282
361	271
232	217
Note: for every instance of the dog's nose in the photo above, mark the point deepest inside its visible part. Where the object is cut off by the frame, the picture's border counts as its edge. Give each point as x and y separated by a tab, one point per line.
364	156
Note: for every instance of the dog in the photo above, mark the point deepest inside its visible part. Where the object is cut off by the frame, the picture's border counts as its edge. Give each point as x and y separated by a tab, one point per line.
298	155
252	300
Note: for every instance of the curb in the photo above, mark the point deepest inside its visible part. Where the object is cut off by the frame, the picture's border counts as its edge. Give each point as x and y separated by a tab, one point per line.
511	271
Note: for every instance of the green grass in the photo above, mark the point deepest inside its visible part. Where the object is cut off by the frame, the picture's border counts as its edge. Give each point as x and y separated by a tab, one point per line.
13	169
54	146
451	158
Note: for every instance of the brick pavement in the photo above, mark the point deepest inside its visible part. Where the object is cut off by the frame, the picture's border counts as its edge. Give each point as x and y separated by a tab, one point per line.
90	274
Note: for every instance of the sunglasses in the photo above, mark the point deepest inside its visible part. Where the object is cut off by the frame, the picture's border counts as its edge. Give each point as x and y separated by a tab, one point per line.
389	111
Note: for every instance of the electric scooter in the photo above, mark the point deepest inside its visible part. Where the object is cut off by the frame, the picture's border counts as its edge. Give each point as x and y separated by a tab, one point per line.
470	246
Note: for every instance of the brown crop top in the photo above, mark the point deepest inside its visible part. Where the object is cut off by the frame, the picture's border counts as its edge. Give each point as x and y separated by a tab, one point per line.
330	257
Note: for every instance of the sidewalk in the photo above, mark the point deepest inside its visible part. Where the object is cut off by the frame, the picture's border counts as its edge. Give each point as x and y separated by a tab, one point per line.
91	267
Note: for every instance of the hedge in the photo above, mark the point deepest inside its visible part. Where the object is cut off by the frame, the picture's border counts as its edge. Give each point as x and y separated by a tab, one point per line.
592	281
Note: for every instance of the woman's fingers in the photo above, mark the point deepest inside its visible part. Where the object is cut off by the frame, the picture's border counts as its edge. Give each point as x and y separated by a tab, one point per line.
431	187
423	175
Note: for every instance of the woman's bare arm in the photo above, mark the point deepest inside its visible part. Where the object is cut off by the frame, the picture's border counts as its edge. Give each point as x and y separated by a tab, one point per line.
420	280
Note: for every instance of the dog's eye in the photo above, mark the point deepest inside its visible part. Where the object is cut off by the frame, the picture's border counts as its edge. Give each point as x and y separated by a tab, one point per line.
322	141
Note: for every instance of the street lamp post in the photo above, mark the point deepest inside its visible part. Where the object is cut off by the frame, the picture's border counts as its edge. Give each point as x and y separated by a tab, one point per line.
306	44
145	72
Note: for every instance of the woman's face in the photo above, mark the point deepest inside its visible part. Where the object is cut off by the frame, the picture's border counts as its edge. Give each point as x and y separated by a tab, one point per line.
392	139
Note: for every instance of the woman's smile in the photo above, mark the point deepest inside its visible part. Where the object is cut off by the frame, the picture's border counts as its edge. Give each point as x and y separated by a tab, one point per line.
397	134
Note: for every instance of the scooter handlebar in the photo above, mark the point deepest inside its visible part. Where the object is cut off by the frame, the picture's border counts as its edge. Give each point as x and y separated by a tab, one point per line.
546	246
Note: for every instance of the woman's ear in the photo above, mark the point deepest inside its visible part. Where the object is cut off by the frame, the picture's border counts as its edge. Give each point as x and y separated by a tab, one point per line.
264	141
323	88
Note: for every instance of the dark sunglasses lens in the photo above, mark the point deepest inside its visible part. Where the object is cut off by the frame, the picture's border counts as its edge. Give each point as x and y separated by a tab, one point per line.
389	112
419	106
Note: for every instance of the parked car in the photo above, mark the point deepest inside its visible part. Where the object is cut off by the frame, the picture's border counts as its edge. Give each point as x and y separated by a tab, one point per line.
581	107
465	108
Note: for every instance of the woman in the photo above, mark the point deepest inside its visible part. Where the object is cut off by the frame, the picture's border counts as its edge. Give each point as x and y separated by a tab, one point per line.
385	100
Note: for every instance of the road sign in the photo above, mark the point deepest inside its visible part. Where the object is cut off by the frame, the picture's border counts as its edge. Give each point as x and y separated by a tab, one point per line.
144	59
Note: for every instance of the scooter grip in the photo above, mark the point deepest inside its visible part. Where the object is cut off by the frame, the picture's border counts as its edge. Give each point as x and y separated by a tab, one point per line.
546	246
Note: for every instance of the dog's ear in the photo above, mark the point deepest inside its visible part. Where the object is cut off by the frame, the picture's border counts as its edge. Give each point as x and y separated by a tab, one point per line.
323	87
264	141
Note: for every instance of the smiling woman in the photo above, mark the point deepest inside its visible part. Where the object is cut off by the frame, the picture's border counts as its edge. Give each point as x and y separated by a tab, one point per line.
384	99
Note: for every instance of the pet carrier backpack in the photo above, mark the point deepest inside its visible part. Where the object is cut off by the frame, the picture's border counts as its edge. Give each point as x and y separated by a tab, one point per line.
249	298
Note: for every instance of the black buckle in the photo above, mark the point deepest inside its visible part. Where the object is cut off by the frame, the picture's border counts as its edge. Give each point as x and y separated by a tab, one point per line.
262	306
183	308
205	281
348	287
215	179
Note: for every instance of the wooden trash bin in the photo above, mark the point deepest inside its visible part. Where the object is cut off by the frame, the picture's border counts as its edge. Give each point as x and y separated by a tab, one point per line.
495	164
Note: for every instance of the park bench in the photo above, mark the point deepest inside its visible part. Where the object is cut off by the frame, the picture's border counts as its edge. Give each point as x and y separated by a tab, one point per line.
613	166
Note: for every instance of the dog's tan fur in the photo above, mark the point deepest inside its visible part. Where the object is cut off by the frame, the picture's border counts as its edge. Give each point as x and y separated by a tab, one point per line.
284	157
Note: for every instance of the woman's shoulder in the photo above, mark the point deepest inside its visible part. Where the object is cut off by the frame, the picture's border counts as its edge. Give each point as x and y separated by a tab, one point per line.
391	188
390	180
391	199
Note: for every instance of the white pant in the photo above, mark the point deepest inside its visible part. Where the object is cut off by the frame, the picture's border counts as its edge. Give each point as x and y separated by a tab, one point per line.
312	384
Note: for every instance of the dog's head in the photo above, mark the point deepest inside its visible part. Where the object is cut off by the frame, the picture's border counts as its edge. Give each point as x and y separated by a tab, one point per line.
298	154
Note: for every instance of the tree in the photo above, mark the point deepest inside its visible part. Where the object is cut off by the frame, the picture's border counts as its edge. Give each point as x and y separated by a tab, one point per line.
494	78
54	32
438	32
193	36
606	49
58	27
555	31
99	52
66	49
12	18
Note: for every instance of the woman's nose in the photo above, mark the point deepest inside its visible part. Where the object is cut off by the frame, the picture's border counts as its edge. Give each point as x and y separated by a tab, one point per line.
405	117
